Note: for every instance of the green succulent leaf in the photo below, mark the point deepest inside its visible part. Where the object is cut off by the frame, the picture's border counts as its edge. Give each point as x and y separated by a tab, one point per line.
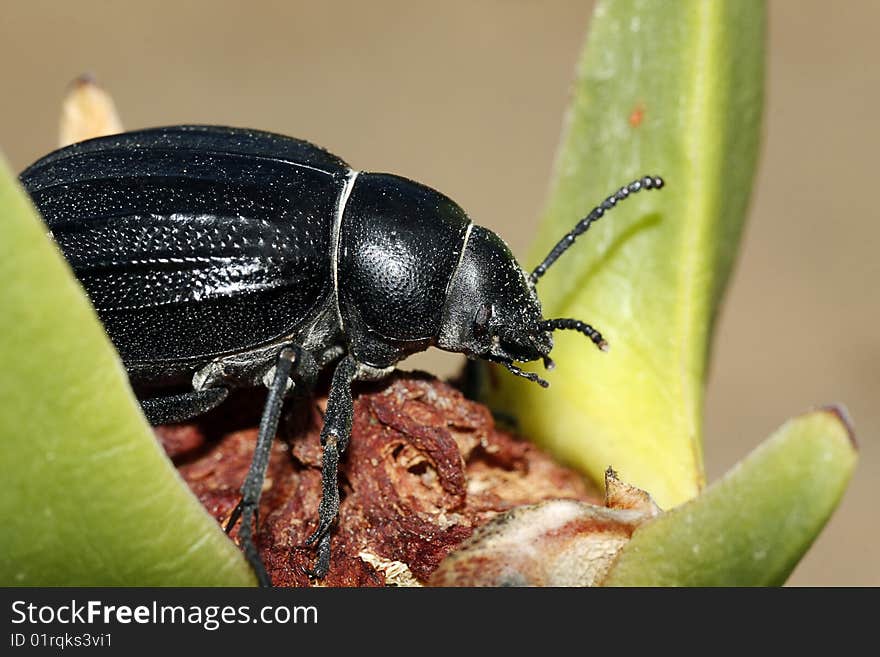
89	497
668	88
752	526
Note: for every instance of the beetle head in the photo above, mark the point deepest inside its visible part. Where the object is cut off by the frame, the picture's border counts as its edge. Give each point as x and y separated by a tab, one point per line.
492	310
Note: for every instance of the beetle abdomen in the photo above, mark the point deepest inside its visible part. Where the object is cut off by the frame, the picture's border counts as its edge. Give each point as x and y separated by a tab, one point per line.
193	242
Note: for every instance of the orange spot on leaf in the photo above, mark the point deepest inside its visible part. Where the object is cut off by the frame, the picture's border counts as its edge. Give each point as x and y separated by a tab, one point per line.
637	115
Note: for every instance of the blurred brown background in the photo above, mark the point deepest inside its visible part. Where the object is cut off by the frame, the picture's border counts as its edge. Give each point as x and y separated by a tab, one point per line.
468	97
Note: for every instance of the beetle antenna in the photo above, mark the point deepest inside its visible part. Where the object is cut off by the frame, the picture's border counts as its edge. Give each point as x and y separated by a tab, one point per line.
646	182
531	376
575	325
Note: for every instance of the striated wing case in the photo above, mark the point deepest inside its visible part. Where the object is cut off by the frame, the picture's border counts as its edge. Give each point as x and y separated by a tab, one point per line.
193	241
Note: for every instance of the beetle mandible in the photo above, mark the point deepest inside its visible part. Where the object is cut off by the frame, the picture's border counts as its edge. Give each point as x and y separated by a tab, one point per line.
219	258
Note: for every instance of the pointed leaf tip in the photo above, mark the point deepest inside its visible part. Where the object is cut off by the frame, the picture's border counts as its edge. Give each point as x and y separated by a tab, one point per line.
753	526
842	414
87	111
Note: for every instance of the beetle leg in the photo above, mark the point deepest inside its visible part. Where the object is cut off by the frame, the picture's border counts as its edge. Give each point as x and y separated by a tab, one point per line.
334	439
177	408
253	484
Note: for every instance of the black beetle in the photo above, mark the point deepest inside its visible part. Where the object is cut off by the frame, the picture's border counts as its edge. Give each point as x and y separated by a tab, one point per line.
232	258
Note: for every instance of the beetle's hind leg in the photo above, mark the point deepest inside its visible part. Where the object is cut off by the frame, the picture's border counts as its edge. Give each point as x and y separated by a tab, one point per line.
248	508
334	439
178	408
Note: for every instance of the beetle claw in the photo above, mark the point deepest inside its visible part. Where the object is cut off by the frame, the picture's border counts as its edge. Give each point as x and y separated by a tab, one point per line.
322	563
234	516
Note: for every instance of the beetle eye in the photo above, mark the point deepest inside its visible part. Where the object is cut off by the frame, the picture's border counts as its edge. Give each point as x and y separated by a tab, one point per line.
481	320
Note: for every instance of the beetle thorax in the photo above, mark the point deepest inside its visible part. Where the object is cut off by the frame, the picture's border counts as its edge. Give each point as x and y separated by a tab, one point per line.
400	244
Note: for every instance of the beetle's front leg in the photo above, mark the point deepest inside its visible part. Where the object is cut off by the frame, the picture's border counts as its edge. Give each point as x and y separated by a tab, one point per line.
247	509
334	439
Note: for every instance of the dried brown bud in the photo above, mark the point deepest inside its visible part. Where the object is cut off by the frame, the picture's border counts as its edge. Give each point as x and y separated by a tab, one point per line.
425	467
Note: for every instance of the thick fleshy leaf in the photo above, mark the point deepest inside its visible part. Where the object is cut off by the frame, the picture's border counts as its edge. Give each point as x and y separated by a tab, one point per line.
753	526
668	88
89	497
